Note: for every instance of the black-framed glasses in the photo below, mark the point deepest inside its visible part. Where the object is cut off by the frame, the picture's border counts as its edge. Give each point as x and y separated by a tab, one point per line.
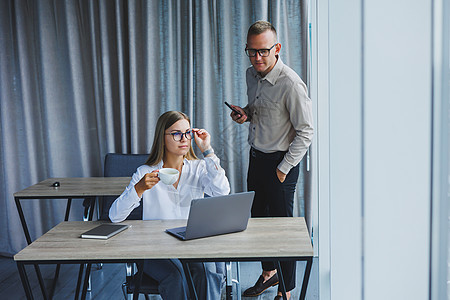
262	52
177	136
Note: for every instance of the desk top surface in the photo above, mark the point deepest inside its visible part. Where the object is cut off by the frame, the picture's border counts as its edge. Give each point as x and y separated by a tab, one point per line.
264	237
76	187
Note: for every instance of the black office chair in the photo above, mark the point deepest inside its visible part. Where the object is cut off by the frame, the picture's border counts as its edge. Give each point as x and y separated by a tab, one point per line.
149	286
124	165
121	165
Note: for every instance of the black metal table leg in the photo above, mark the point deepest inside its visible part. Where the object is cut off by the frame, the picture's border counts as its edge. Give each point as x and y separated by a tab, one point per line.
281	280
25	282
80	279
22	220
55	279
187	273
58	266
41	281
89	204
229	281
28	239
66	218
86	281
69	203
306	276
91	208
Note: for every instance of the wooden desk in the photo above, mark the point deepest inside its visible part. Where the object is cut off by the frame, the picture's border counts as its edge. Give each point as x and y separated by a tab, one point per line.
63	244
79	187
87	188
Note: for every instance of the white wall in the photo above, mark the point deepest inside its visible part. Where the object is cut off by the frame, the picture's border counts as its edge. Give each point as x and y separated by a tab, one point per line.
397	149
346	127
374	93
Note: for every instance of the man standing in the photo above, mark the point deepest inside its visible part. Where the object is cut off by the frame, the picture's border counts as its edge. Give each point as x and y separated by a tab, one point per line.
280	132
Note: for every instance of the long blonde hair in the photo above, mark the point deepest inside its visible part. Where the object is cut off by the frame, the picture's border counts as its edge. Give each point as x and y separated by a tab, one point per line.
166	120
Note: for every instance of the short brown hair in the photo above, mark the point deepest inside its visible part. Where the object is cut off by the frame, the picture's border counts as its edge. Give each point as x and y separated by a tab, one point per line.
166	120
259	27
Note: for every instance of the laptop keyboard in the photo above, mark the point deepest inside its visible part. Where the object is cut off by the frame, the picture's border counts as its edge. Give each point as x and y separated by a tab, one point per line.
182	233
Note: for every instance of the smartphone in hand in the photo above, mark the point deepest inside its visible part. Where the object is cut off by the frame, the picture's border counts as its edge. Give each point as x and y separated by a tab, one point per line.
232	108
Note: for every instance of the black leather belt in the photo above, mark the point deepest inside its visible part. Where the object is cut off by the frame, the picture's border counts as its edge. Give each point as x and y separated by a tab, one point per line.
277	155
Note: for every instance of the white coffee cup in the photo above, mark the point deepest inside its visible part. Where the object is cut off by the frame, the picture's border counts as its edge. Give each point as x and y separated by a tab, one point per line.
168	175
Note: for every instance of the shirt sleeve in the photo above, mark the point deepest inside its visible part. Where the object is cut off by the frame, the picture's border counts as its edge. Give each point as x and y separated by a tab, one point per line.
300	112
248	77
127	201
213	177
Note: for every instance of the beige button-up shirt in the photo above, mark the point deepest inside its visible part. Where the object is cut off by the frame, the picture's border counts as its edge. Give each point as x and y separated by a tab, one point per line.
280	114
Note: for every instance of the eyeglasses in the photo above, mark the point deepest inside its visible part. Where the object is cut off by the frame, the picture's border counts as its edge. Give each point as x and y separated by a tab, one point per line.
177	136
262	52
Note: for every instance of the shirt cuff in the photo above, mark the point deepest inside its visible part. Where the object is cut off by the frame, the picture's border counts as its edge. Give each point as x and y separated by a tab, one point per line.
213	165
208	151
284	166
135	195
247	113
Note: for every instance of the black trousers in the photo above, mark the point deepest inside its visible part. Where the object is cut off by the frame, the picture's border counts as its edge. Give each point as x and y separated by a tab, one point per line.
272	198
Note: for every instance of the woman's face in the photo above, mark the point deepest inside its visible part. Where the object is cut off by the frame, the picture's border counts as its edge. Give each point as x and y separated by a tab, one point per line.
182	146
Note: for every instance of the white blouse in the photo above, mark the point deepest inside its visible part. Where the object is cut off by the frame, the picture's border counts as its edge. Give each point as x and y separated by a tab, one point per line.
167	202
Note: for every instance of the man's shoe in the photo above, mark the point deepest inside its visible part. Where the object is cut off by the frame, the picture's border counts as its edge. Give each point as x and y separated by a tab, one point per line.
260	286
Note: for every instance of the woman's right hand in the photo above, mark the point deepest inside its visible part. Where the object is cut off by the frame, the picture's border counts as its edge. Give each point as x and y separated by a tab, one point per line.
147	182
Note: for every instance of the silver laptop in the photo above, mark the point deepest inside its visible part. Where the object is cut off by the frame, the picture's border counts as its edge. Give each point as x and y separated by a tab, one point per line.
216	215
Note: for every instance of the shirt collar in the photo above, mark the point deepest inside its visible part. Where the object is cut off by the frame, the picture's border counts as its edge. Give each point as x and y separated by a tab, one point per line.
273	75
160	164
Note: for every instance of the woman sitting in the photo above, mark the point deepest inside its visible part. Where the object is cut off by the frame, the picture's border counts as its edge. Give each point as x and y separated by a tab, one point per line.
172	148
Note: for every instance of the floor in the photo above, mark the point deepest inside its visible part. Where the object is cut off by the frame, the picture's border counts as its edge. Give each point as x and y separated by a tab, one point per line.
107	280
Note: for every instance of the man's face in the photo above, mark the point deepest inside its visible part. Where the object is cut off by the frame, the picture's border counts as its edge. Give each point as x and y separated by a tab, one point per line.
265	40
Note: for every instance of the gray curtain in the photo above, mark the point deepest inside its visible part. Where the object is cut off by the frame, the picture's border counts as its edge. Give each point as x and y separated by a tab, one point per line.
79	79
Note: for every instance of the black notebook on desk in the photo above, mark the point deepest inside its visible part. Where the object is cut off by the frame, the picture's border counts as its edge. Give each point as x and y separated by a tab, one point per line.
104	231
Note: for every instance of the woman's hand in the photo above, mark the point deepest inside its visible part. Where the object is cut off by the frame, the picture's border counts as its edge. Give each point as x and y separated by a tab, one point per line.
147	182
202	139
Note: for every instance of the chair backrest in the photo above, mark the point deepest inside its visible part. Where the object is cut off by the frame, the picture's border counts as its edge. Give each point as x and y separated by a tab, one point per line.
121	165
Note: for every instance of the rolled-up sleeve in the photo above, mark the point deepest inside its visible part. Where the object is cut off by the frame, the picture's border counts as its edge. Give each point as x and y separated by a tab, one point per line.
214	180
127	201
299	106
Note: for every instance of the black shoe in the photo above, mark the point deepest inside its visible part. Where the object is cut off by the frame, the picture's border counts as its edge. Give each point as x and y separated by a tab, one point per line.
260	286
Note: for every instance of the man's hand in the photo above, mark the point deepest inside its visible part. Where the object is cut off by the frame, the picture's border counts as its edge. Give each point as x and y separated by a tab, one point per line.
281	176
238	118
